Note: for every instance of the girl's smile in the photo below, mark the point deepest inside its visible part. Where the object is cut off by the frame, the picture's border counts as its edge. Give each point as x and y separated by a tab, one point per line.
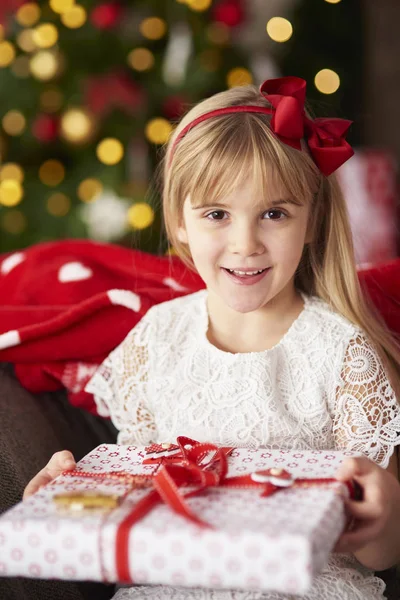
246	276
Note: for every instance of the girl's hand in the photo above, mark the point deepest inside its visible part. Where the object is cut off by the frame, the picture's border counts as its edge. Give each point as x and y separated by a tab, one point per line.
59	462
377	514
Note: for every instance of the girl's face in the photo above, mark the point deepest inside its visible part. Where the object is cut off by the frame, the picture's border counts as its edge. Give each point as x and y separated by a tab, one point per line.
247	250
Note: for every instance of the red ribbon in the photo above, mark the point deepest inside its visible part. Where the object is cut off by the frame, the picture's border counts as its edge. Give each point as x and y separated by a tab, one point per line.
183	469
325	137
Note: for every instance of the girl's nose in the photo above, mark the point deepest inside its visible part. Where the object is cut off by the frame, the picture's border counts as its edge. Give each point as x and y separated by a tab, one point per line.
244	241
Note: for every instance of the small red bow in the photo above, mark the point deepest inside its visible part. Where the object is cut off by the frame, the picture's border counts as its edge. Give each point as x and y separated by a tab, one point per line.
325	137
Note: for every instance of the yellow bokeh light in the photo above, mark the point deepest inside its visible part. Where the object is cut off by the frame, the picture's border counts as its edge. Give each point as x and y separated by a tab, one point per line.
51	172
44	65
13	221
1	32
333	1
11	192
239	76
89	189
21	67
279	29
218	33
74	17
45	35
199	5
7	53
51	100
77	125
25	40
58	204
11	171
14	122
158	130
141	59
61	6
28	14
140	215
210	59
110	151
327	81
153	28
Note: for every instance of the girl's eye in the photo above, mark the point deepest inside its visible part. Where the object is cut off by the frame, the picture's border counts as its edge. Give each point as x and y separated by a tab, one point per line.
216	215
274	215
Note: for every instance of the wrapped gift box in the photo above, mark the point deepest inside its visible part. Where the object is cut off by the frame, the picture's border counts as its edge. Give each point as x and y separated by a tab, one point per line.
278	542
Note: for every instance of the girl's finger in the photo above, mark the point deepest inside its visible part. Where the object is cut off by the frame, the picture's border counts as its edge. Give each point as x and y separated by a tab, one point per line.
354	467
365	511
59	462
352	541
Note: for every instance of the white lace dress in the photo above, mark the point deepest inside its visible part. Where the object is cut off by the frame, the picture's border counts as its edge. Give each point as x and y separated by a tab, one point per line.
321	387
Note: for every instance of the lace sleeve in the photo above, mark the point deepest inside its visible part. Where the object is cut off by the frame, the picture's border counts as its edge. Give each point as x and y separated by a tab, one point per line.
367	414
120	387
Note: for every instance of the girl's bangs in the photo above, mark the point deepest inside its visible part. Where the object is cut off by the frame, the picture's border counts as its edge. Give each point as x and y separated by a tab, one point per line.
251	156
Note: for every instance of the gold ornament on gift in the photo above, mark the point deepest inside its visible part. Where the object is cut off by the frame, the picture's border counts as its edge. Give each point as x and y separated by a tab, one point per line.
78	502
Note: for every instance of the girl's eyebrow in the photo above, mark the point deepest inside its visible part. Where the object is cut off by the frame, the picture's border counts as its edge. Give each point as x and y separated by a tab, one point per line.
271	203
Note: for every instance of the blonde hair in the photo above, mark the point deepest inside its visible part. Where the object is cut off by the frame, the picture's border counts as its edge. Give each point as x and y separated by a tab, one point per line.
221	153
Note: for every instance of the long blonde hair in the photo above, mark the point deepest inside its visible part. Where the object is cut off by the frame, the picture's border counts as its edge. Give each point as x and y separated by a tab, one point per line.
221	153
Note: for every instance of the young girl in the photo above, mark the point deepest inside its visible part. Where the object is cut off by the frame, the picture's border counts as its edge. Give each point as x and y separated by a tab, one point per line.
280	349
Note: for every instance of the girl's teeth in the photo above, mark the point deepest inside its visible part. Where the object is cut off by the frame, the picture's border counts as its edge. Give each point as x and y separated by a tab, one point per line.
242	273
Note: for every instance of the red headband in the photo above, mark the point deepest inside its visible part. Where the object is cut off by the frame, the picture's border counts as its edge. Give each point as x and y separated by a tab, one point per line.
325	137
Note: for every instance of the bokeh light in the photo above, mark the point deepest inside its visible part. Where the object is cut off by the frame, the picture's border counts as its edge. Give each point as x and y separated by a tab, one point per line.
110	151
158	130
11	192
11	171
140	215
21	67
45	35
279	29
239	76
14	122
44	65
28	14
58	204
199	5
13	221
51	99
89	189
7	53
61	6
141	59
327	81
210	59
51	172
153	28
218	33
26	41
77	125
74	17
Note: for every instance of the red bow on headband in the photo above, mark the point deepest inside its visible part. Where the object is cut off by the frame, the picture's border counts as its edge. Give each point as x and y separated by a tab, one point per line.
325	137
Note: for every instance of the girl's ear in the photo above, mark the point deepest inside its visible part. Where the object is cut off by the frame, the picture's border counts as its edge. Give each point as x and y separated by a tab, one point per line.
181	234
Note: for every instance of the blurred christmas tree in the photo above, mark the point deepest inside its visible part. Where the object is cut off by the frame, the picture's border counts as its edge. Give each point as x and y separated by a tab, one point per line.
89	91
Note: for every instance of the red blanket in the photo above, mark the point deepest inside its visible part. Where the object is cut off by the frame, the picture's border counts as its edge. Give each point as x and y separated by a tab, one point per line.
66	305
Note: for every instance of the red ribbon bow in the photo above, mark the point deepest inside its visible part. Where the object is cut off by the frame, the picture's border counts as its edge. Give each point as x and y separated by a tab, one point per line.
325	137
